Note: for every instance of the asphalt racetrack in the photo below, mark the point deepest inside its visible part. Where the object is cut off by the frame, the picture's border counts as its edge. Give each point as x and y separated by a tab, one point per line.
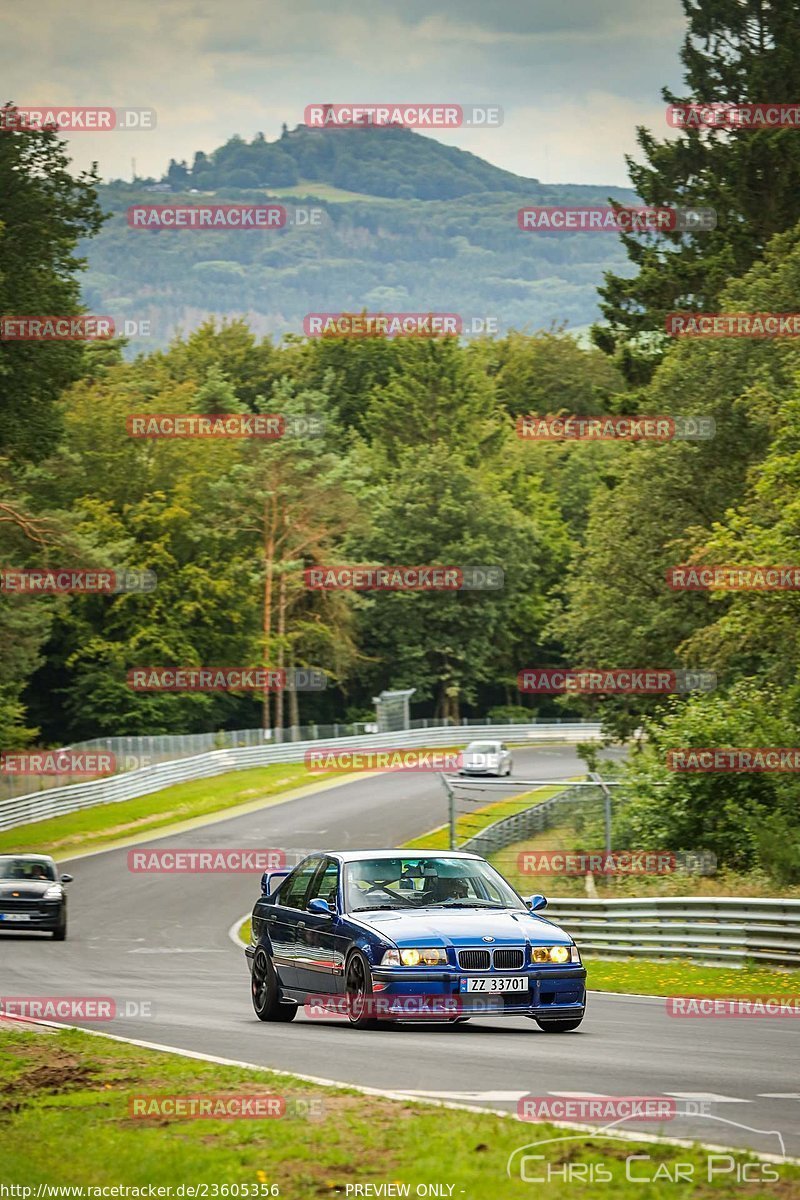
162	939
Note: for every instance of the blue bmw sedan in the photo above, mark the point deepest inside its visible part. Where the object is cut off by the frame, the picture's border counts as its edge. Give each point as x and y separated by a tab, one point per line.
391	934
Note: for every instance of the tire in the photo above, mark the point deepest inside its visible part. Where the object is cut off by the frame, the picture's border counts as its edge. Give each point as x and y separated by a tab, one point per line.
558	1026
358	986
60	934
264	991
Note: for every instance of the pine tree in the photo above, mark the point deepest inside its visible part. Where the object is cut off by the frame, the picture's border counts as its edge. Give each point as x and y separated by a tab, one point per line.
735	51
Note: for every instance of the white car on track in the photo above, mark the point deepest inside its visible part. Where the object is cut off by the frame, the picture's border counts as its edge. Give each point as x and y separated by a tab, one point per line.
486	758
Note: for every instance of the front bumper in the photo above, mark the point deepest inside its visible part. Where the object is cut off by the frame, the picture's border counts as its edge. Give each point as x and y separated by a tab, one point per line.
558	994
40	917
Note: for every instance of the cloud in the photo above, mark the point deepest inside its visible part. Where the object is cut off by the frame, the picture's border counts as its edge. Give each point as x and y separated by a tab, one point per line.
213	71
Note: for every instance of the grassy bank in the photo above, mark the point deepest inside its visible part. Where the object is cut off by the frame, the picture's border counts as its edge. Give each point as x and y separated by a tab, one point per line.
92	828
620	887
66	1119
108	824
682	978
471	823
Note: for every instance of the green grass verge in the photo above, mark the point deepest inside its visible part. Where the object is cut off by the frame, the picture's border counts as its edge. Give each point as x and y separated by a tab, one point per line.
683	978
105	824
609	887
471	823
65	1119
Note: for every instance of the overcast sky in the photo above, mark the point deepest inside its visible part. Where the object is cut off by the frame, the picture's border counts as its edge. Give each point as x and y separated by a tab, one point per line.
574	77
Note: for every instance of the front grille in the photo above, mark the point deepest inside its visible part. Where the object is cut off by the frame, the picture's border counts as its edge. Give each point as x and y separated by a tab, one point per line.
509	960
473	960
9	905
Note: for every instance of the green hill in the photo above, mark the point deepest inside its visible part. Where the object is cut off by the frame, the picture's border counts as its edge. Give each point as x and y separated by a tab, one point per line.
410	225
391	162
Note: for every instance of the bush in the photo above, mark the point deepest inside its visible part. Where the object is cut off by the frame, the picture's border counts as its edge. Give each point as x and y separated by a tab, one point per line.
747	819
511	713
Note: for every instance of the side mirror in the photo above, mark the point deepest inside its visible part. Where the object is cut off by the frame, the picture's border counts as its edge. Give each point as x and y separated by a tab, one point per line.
320	907
535	903
66	879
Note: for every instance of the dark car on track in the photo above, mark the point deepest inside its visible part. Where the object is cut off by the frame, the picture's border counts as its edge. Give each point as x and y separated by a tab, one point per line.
32	895
394	933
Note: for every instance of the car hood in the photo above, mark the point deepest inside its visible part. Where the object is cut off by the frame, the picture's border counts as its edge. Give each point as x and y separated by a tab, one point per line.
26	889
463	927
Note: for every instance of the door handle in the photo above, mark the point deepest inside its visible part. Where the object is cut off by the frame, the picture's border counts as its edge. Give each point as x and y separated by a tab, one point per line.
300	925
272	917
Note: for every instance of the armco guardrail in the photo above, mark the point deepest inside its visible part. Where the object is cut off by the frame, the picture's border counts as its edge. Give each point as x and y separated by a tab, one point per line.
39	806
713	930
146	750
520	825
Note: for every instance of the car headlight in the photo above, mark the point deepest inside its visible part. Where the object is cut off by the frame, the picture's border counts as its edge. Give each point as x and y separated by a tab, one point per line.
53	893
556	954
428	956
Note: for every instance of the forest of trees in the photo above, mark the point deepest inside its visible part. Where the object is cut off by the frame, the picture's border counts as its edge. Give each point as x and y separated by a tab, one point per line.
419	464
466	255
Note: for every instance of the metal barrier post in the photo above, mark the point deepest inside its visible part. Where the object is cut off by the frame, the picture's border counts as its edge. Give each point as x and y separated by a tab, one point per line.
451	811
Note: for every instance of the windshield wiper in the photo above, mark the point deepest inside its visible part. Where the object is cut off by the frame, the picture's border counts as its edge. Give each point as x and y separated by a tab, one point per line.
460	904
380	908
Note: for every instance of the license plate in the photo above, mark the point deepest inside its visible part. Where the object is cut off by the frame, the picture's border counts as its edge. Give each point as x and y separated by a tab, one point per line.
495	983
15	916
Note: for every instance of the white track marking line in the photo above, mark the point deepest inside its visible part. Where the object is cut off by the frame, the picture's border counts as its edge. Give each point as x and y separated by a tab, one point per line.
711	1097
582	1095
509	1096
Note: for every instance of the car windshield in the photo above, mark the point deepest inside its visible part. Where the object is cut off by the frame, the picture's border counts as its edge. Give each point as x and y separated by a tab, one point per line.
483	748
26	869
425	882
